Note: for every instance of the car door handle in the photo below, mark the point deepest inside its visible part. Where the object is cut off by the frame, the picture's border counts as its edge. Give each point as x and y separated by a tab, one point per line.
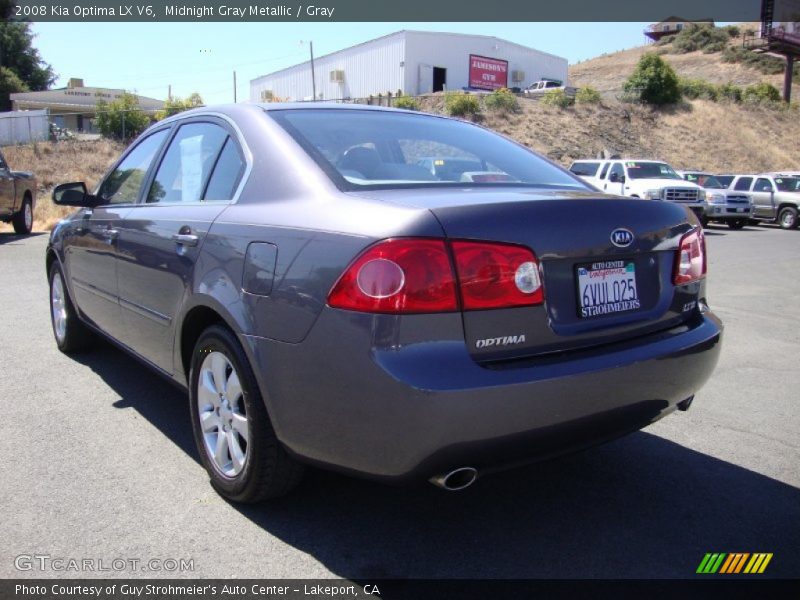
185	239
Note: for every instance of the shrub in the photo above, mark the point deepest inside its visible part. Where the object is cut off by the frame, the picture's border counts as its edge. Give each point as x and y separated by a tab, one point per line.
729	91
406	102
177	105
667	39
700	37
461	104
501	100
733	31
769	65
121	119
698	88
653	81
557	97
587	95
761	93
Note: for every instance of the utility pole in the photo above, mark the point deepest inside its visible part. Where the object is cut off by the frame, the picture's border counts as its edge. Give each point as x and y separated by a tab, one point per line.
234	87
313	79
169	92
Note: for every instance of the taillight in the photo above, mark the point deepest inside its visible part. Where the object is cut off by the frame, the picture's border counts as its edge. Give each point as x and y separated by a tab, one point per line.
497	275
690	260
398	276
415	275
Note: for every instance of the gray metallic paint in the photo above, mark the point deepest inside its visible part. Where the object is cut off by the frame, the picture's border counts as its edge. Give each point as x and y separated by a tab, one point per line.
403	396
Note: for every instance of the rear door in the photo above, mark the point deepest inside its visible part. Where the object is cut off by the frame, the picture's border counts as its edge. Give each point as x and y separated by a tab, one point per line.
160	238
763	195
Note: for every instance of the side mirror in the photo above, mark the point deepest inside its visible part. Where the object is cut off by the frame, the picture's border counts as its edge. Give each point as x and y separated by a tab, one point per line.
614	177
74	194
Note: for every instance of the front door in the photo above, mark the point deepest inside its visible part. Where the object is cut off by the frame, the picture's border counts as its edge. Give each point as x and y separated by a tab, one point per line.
91	241
6	190
160	239
763	195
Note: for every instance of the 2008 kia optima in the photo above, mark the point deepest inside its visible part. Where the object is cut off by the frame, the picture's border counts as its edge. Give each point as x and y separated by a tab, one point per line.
390	294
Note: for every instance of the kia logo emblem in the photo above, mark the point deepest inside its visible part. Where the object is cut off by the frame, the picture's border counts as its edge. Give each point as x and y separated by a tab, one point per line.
622	238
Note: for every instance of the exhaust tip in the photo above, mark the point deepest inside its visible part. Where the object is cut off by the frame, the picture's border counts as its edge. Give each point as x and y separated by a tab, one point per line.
456	480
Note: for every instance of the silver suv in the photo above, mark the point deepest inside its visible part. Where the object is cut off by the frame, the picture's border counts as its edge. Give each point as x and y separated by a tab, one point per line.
775	198
721	205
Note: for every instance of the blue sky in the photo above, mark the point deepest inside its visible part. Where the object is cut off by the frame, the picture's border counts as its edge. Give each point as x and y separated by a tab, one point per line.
201	57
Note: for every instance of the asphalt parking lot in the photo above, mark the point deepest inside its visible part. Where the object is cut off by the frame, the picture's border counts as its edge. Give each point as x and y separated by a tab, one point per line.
99	463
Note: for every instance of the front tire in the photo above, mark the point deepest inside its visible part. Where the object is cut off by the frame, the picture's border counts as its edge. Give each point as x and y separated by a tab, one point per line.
23	220
71	335
232	430
737	224
787	218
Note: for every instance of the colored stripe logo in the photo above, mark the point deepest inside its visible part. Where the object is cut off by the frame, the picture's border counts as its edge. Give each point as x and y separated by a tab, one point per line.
733	563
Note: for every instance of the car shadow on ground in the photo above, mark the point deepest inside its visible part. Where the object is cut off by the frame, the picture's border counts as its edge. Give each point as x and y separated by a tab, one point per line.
9	237
641	506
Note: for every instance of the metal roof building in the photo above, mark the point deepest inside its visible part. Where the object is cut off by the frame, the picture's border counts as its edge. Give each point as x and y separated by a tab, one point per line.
413	62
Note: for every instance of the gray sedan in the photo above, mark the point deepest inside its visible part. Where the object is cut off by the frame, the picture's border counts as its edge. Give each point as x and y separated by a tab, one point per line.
326	299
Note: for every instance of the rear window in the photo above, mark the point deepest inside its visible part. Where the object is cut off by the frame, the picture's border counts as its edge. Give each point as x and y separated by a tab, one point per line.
364	149
588	169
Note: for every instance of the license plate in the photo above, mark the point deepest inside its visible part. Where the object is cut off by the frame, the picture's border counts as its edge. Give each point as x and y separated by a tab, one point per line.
607	287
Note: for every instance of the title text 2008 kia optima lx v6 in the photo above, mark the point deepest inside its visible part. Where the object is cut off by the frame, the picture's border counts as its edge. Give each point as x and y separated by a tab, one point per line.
386	293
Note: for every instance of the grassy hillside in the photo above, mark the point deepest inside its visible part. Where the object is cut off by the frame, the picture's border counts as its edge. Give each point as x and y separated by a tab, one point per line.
607	73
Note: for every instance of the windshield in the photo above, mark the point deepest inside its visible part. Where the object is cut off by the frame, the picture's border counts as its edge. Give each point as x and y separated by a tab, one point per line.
705	181
364	149
650	170
788	184
725	180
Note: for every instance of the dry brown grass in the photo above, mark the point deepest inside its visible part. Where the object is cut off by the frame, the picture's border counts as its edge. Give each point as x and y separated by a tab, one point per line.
60	162
608	73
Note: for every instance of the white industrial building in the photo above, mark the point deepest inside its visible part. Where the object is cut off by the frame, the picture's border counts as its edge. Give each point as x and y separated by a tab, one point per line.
413	62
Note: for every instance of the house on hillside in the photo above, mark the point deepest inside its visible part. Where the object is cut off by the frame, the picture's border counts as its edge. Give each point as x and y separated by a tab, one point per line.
671	26
75	106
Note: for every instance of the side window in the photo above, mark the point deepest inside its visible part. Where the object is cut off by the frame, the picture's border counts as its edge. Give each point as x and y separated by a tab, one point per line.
743	184
763	185
604	170
227	172
588	169
122	186
184	170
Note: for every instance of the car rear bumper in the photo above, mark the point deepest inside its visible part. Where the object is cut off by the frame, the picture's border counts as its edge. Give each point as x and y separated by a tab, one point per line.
357	397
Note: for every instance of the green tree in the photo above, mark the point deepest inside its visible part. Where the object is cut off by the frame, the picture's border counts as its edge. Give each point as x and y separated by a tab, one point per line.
18	56
653	81
178	105
122	118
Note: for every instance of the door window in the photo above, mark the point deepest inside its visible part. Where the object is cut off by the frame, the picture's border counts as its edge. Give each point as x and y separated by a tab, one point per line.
227	171
604	170
743	184
122	186
762	185
187	164
618	171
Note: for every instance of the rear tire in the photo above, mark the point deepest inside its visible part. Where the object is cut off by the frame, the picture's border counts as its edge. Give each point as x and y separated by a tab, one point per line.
70	334
787	218
23	220
234	436
737	224
703	222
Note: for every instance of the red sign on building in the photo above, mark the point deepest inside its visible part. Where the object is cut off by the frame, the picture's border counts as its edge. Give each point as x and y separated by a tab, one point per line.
487	73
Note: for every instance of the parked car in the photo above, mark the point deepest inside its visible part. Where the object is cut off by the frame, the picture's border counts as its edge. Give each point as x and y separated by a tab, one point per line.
721	205
775	198
648	179
17	197
543	85
326	300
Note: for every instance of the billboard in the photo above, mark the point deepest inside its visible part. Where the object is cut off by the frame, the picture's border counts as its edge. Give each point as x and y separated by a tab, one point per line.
487	73
781	20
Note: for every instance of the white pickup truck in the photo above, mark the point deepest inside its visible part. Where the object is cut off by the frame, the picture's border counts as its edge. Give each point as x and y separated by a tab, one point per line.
648	179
